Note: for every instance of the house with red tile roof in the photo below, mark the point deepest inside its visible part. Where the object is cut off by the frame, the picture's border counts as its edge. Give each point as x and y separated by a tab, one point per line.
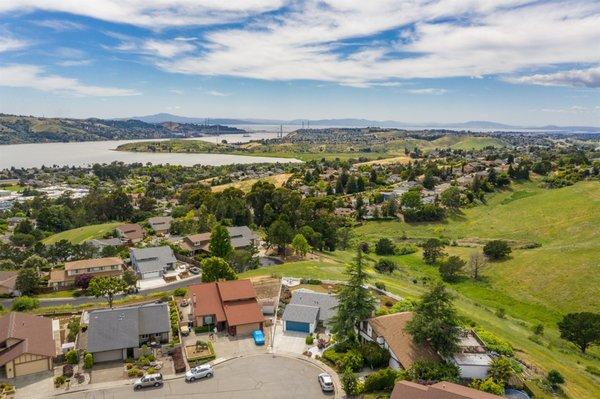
227	306
27	344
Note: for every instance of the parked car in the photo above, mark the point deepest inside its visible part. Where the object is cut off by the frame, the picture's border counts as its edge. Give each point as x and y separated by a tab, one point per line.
326	382
195	270
259	337
184	303
202	371
185	331
150	380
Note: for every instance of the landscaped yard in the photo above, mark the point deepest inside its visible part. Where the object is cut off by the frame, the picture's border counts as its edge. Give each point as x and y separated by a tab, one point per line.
81	234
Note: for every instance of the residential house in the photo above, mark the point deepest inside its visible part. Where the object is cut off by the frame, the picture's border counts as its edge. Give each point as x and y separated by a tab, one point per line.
344	212
472	358
440	390
388	332
27	344
152	262
116	334
102	243
131	232
160	224
59	278
242	237
306	309
227	306
8	280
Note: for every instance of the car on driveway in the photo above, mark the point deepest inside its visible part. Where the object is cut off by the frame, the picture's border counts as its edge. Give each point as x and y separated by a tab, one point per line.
202	371
259	337
150	380
326	382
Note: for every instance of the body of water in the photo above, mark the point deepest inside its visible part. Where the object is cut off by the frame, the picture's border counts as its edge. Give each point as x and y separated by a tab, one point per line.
91	152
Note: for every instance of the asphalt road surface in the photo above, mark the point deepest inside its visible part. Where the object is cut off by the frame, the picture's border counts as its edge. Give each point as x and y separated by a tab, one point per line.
256	377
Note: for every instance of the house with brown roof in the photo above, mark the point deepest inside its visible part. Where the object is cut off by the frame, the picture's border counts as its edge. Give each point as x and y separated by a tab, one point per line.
27	344
160	224
8	280
130	232
440	390
242	237
388	332
227	306
59	278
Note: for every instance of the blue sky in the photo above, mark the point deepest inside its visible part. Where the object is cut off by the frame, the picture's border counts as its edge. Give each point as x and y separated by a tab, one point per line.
512	61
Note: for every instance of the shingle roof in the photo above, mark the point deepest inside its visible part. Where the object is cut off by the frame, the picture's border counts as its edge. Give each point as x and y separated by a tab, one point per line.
236	290
327	303
34	332
160	222
131	230
243	312
206	301
87	263
440	390
121	327
8	279
152	259
391	327
301	313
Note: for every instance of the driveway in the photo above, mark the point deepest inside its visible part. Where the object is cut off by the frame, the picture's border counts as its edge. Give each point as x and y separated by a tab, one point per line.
254	377
289	341
33	386
226	346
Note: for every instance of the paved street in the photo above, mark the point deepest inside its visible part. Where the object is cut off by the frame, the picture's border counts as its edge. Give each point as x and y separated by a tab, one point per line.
255	377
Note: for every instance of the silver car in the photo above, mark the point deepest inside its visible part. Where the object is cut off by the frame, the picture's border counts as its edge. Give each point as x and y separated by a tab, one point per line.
326	382
202	371
150	380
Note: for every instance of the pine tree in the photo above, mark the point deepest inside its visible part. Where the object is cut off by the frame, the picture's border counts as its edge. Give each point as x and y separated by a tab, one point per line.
220	242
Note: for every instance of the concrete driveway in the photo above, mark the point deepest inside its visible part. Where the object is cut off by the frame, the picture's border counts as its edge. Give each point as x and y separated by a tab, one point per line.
253	377
289	341
226	346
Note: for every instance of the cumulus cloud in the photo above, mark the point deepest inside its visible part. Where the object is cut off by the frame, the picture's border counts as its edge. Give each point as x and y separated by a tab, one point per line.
151	13
153	47
32	76
576	78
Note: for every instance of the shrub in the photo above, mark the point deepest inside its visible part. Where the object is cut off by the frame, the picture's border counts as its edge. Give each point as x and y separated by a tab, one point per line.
538	329
352	360
67	370
309	339
59	380
133	372
404	305
406	250
88	361
497	249
143	361
432	371
71	357
494	343
332	355
73	328
364	247
501	313
200	330
374	356
128	366
382	380
380	285
500	370
488	385
180	292
25	303
385	266
151	357
555	379
349	382
310	281
151	370
384	246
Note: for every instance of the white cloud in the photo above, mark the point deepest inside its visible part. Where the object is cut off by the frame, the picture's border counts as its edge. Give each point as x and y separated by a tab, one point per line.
59	25
577	78
574	109
152	47
8	43
34	77
151	13
429	90
74	63
217	93
176	91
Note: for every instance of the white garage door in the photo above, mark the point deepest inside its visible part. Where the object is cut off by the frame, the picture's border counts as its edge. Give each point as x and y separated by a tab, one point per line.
108	356
31	367
146	276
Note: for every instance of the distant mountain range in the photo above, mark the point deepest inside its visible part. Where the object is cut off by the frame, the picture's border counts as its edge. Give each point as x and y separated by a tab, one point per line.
351	122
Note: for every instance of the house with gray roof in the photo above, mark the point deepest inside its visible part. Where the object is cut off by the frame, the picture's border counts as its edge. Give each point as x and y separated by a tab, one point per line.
307	309
116	334
152	262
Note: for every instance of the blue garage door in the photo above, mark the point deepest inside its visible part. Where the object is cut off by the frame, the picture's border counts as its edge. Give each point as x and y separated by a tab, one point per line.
297	326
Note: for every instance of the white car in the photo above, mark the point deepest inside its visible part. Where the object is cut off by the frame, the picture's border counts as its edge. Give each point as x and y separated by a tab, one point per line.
326	382
203	371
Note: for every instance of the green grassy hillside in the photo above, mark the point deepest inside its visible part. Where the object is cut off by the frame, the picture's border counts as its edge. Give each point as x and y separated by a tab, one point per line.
81	234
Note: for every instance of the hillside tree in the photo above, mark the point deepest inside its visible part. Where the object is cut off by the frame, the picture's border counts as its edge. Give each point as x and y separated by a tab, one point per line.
106	286
220	242
216	269
582	329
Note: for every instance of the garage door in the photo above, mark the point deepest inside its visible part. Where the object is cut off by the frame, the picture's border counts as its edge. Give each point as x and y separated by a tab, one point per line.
108	356
297	326
31	367
151	275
